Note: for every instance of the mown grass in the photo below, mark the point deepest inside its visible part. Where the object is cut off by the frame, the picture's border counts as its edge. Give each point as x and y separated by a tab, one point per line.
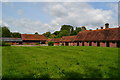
59	62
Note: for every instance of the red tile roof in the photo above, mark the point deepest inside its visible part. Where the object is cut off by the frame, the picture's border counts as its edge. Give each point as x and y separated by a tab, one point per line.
68	38
109	34
56	40
33	37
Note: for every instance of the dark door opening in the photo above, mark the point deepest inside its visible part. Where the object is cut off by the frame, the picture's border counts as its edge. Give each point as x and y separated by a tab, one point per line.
118	44
42	42
20	43
98	43
82	43
107	44
90	43
77	43
66	43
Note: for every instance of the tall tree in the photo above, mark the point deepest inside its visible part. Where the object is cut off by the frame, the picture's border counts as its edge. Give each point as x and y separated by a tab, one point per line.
66	27
6	32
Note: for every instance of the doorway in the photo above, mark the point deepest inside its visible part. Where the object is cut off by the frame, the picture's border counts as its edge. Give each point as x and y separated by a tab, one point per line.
77	43
66	43
82	43
107	44
90	43
98	43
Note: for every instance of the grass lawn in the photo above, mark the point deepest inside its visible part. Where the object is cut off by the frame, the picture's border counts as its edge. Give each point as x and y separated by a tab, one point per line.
59	62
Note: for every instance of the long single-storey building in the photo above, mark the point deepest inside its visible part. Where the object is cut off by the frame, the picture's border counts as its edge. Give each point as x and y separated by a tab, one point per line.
33	39
107	37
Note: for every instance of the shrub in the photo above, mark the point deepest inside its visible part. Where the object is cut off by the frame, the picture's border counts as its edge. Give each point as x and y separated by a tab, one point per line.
5	44
50	43
37	43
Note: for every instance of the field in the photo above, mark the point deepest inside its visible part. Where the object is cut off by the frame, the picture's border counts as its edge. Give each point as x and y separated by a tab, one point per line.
59	62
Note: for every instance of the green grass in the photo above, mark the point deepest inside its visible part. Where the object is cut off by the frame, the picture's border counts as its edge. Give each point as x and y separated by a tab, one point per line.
59	62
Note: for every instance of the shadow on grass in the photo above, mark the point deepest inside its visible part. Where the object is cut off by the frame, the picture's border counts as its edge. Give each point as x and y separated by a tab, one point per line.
89	73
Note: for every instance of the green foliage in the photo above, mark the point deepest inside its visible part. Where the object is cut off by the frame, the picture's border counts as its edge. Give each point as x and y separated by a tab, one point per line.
56	32
5	32
78	29
66	27
52	36
50	43
5	44
59	62
64	33
47	34
36	32
15	34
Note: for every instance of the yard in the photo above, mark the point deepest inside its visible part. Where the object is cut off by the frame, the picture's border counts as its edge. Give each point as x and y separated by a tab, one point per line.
59	62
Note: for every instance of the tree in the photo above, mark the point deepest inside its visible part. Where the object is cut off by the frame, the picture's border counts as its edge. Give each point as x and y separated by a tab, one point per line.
6	32
78	29
66	27
15	34
52	36
36	32
64	33
72	31
56	32
47	34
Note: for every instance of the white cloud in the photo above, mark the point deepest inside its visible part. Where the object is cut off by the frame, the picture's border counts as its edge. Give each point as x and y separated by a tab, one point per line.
3	23
25	25
76	14
79	14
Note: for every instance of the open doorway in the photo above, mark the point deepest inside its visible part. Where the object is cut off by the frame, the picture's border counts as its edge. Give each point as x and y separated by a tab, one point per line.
107	44
77	43
98	43
66	43
82	43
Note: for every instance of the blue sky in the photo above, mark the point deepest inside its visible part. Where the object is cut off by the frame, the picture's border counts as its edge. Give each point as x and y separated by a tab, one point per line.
29	17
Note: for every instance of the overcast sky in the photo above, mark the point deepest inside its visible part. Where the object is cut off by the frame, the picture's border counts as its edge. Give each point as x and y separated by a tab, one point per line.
29	17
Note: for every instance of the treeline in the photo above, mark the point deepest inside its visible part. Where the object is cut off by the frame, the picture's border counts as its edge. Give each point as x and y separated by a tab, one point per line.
5	32
66	30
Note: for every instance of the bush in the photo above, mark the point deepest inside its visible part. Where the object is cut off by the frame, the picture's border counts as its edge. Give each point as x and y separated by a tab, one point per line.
37	43
50	43
4	44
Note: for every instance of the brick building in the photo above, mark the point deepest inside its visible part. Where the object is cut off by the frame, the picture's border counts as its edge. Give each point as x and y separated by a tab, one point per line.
33	39
108	37
68	40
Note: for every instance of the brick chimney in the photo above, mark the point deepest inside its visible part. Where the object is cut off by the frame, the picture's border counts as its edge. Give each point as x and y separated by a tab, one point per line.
83	28
106	25
101	27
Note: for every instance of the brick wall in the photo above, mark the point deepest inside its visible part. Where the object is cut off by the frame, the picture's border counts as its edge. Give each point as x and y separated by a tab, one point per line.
113	44
56	44
86	43
71	43
102	44
75	43
94	44
80	43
